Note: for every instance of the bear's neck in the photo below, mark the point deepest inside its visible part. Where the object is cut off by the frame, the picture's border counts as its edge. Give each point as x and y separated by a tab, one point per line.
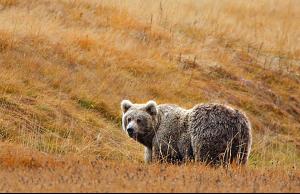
146	140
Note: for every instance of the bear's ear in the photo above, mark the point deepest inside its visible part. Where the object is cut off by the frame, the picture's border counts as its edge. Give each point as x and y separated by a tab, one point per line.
151	107
125	105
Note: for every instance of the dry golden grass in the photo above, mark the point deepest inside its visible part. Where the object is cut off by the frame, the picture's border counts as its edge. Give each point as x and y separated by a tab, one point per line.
65	66
32	173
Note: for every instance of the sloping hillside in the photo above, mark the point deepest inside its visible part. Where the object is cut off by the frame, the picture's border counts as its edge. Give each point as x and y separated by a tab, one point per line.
66	65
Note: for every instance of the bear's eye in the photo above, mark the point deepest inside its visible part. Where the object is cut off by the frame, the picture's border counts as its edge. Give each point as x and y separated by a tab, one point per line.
129	119
138	121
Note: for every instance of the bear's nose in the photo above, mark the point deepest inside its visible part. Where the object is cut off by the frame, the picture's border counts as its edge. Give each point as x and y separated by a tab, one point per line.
130	131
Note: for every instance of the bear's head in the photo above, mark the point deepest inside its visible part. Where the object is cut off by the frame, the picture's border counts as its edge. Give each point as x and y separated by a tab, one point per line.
139	121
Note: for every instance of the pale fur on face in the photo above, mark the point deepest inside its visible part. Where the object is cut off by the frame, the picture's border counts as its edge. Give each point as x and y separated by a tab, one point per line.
140	117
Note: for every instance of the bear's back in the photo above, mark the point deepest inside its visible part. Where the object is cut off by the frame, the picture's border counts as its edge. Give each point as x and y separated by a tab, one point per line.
214	119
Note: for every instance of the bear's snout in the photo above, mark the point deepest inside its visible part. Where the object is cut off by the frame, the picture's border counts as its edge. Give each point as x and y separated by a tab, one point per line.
130	131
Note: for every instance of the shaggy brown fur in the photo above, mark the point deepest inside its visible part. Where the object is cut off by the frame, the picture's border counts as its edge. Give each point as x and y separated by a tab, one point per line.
210	133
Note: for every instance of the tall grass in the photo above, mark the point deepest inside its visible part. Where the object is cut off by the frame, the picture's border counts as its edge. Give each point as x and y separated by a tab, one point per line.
66	65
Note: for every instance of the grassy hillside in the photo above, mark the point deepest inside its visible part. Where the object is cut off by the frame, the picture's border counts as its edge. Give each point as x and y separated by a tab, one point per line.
65	66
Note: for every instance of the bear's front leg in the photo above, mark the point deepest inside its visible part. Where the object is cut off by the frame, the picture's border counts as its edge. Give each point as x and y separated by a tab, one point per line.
148	155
